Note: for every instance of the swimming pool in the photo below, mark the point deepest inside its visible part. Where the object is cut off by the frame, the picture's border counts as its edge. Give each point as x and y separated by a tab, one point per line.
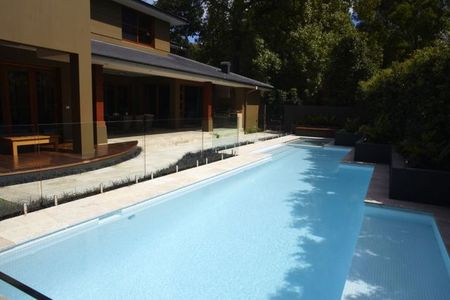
399	255
284	229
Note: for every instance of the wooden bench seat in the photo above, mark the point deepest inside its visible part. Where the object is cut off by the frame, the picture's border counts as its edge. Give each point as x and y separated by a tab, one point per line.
16	141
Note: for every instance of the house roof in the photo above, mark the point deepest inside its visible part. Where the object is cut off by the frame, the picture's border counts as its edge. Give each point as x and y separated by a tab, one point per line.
169	61
153	11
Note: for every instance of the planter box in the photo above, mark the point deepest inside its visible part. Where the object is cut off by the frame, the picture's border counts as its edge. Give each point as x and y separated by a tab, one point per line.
418	185
346	138
315	131
373	153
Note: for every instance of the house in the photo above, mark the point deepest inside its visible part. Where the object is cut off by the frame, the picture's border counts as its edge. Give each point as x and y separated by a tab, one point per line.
75	68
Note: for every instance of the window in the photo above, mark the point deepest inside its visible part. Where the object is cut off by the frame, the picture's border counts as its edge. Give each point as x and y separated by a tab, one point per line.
137	27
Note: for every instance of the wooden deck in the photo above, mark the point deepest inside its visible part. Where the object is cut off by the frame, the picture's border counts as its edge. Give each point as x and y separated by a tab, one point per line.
47	159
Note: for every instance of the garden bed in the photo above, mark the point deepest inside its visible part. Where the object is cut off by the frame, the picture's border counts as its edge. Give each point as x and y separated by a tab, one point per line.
418	185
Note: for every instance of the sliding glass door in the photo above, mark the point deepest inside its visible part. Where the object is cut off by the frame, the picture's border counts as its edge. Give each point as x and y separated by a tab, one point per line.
19	100
29	99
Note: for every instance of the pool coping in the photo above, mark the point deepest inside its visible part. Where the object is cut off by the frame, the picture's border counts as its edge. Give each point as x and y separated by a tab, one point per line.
24	228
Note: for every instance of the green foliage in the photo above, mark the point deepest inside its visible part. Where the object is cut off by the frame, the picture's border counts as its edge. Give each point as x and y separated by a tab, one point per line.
410	106
320	120
214	39
280	97
305	52
266	63
292	53
402	26
192	11
228	35
379	132
353	125
310	46
8	209
351	61
427	151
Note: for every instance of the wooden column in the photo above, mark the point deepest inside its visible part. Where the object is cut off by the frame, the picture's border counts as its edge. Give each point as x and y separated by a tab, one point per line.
207	106
175	103
75	98
82	116
100	131
157	101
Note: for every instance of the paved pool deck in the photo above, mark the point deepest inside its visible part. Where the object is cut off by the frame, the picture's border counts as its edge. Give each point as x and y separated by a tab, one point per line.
23	228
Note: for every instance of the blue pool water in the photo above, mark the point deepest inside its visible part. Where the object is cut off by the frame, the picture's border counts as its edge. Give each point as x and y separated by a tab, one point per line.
285	229
399	255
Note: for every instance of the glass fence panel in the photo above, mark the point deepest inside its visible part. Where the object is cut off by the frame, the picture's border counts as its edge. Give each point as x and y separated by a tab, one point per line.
20	189
225	133
169	148
52	165
116	159
130	167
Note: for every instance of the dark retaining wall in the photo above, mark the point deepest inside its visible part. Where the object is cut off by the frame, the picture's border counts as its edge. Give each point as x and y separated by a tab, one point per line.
373	153
343	138
418	185
293	114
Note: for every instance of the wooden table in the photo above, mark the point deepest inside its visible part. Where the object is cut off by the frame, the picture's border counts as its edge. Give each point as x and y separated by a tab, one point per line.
17	141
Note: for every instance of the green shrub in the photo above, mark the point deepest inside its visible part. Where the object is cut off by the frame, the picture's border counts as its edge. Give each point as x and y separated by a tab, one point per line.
320	120
352	125
409	105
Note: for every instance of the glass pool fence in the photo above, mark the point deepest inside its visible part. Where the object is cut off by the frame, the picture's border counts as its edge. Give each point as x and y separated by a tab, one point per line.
43	165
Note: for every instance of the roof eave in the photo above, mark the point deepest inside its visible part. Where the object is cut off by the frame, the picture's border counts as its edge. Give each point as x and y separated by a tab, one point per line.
247	83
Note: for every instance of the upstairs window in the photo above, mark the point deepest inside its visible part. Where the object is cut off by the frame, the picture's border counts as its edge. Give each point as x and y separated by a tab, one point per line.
137	27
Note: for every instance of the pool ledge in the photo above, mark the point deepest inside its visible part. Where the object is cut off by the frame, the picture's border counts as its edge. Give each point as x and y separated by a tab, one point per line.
378	193
24	228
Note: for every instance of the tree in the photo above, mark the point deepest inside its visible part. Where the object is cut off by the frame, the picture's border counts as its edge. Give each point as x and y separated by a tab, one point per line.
267	63
228	35
214	39
400	27
305	52
192	11
351	61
